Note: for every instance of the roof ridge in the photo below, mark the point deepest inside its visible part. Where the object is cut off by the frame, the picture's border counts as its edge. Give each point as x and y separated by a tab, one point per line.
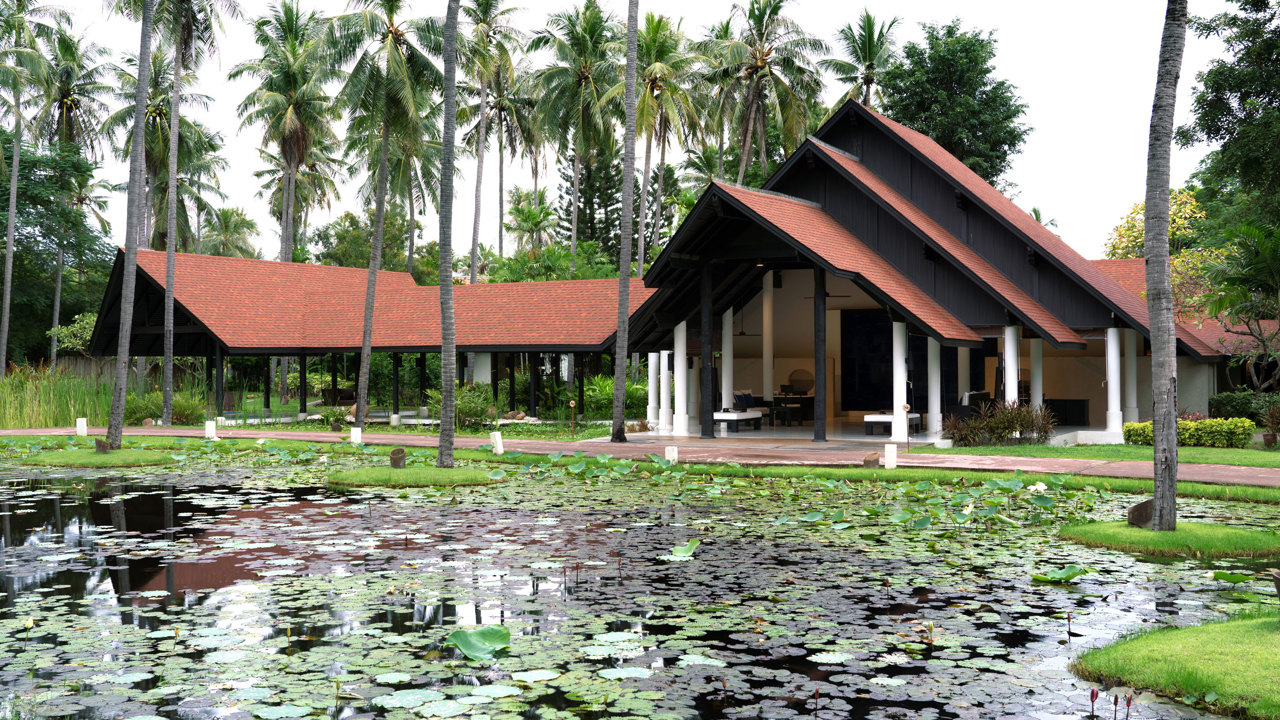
774	193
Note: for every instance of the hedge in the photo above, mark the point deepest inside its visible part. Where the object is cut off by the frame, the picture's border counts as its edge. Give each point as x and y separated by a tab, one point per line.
1214	432
1242	404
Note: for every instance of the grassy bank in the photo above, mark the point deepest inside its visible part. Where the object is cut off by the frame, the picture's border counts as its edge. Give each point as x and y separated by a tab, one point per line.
1233	666
90	458
1249	457
410	477
1201	540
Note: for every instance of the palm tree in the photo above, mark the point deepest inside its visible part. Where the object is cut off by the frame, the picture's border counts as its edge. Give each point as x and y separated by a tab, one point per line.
115	423
290	101
448	344
74	106
512	119
584	44
389	84
867	49
532	219
21	66
624	255
89	196
487	53
1164	339
316	184
770	74
227	233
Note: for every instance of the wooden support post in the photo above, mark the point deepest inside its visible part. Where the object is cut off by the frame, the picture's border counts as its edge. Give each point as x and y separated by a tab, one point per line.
535	372
395	383
219	395
302	385
422	379
266	383
582	381
333	378
819	355
511	381
706	407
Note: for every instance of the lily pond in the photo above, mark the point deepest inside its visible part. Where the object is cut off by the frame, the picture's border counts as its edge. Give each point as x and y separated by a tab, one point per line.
242	587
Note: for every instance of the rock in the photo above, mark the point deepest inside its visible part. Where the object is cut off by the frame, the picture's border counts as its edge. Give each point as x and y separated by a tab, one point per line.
513	415
397	458
871	460
148	422
1140	514
1275	577
101	445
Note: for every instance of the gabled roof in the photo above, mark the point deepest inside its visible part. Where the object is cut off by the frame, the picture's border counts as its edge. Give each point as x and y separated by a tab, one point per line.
260	306
829	244
1052	247
974	265
1131	274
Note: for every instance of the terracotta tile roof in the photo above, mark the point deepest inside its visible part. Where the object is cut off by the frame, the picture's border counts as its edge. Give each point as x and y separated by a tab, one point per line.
262	304
1047	242
1032	312
811	226
1131	274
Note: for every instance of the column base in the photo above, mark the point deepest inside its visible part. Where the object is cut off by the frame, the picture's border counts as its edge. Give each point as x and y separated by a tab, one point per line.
651	415
1131	414
664	422
680	425
1115	421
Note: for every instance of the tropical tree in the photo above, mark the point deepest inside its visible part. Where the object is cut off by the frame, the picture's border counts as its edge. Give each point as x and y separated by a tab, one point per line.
228	232
75	97
867	49
115	423
448	343
619	433
315	185
512	120
1242	286
532	219
487	53
389	85
22	26
714	89
290	102
584	44
1164	339
773	75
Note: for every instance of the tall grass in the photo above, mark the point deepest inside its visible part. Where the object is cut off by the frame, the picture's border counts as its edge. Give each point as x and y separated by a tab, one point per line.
38	397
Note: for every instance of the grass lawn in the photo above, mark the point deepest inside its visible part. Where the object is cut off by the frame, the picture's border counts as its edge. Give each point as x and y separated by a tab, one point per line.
1233	666
1250	457
1203	540
90	458
414	476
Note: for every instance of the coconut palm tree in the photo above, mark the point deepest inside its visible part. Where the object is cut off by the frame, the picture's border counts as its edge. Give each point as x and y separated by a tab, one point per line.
624	256
533	220
197	185
290	102
115	422
867	49
227	232
315	186
1164	339
89	196
390	83
714	88
448	344
22	26
584	44
512	119
74	105
772	77
487	53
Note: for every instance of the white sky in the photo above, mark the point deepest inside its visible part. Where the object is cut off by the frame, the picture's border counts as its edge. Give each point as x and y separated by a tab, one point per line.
1086	70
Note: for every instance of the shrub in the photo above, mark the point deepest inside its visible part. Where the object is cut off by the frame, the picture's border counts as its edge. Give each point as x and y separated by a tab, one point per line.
1213	432
188	409
1242	404
473	405
1001	424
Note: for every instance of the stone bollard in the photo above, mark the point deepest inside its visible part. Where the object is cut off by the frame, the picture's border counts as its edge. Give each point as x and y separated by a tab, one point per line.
1275	577
357	436
210	430
397	458
82	427
101	445
395	420
871	460
1140	515
495	439
890	457
673	453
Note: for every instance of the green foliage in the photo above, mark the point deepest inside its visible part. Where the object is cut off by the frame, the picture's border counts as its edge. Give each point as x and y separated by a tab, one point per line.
414	475
1244	294
44	398
1062	575
346	242
1242	404
480	643
1213	432
89	458
188	408
1001	424
598	394
1191	539
474	404
1185	215
946	89
75	337
988	504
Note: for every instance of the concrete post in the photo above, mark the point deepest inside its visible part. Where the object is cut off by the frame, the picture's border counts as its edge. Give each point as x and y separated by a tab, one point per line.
1011	343
899	425
934	427
1037	372
962	372
1115	416
1131	344
680	359
766	337
726	359
651	413
664	398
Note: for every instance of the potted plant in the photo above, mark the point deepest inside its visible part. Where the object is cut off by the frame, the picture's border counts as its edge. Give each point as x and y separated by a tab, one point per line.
1270	425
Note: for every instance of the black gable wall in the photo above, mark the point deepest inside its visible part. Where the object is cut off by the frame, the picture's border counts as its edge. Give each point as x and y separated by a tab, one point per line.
863	217
937	196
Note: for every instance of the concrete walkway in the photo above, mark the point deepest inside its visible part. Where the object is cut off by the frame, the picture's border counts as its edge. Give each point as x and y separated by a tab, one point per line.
744	452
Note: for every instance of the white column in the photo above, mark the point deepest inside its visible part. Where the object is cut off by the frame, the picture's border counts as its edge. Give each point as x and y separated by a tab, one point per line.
962	372
651	413
1037	372
766	336
1115	417
935	388
664	399
1011	342
680	419
1131	344
726	359
899	426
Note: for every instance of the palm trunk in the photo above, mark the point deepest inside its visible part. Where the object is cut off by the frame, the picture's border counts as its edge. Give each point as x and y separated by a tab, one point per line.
761	151
171	242
502	200
287	239
644	203
413	230
199	232
660	203
1164	361
745	152
10	228
481	141
619	433
57	308
375	264
573	225
720	151
448	346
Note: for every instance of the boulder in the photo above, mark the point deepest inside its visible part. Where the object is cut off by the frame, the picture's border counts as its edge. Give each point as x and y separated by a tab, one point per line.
513	415
148	422
101	445
871	460
1140	514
